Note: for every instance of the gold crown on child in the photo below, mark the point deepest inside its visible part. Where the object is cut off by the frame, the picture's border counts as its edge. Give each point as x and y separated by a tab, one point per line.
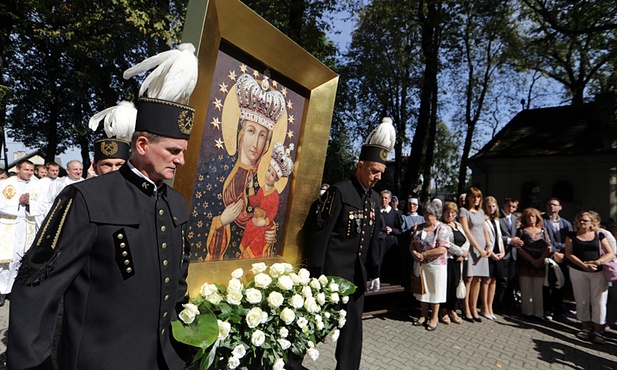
281	159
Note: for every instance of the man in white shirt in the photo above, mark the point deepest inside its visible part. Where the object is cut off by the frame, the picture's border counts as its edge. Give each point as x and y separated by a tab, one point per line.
53	170
18	207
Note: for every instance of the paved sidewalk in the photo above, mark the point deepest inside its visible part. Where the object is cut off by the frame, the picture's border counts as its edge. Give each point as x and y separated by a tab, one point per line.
391	342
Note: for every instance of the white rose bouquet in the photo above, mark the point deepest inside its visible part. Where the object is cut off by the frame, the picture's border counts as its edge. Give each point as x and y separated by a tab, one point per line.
259	323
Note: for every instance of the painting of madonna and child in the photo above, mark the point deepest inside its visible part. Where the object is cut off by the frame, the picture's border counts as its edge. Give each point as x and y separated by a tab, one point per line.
246	161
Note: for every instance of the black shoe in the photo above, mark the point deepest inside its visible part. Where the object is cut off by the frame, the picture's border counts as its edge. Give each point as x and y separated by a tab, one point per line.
420	323
477	319
468	319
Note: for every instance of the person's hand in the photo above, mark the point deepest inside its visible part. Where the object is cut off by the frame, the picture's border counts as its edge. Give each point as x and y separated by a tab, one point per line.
374	285
483	253
465	254
24	198
558	257
460	259
231	212
539	262
417	256
91	172
270	235
388	229
516	242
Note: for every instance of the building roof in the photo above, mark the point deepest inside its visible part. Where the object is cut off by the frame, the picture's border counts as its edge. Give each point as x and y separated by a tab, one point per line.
586	129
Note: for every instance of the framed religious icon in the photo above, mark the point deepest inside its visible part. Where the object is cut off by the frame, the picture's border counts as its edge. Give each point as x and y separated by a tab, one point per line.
255	158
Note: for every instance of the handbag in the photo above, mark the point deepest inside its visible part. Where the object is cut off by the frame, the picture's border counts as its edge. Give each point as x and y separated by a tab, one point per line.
609	268
461	291
417	282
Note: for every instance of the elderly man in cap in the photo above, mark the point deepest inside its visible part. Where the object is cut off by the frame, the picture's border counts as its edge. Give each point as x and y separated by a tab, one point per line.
114	250
345	240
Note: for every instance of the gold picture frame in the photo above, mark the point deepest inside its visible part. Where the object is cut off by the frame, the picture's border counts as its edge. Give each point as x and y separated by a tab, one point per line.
228	35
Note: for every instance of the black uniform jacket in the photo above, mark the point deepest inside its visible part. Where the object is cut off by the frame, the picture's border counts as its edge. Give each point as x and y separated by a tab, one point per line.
115	250
345	239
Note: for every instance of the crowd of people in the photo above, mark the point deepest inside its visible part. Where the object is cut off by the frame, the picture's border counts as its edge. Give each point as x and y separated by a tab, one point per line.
530	263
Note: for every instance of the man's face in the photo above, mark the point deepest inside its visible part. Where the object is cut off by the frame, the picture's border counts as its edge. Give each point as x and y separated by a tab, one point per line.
510	207
369	172
53	172
385	200
108	164
162	158
74	171
25	171
41	172
553	207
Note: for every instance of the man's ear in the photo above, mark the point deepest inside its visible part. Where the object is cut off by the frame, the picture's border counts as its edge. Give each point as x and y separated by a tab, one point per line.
140	145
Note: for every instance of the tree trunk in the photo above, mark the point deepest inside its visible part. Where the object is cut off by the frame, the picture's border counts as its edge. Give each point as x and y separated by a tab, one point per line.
430	48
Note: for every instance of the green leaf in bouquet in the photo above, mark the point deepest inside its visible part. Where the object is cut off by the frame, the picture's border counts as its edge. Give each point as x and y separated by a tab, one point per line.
345	286
200	333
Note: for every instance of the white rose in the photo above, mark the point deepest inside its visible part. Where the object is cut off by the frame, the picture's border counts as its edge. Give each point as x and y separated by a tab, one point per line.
187	315
208	289
285	283
296	301
313	353
237	273
307	292
258	338
234	297
342	313
335	335
345	299
302	322
341	322
275	299
259	268
214	298
310	305
254	317
287	315
224	328
283	332
334	287
288	268
234	284
334	298
318	318
277	269
285	344
320	325
239	351
262	280
253	295
315	284
321	298
323	280
310	344
305	276
279	364
326	315
233	362
295	278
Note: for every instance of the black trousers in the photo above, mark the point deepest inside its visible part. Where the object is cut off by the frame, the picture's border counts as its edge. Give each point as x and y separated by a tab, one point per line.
349	345
454	275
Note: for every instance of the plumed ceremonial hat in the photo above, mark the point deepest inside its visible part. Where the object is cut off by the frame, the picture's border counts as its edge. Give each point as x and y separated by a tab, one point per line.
119	125
379	142
161	108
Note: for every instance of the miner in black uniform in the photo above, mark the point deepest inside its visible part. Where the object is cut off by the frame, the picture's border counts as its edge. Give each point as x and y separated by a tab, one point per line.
345	241
114	249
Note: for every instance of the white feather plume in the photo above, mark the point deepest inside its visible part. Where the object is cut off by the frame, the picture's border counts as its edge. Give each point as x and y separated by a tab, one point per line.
174	77
118	121
383	135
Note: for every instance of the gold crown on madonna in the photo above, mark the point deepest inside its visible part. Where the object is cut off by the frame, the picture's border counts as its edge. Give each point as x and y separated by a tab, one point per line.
281	160
258	103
